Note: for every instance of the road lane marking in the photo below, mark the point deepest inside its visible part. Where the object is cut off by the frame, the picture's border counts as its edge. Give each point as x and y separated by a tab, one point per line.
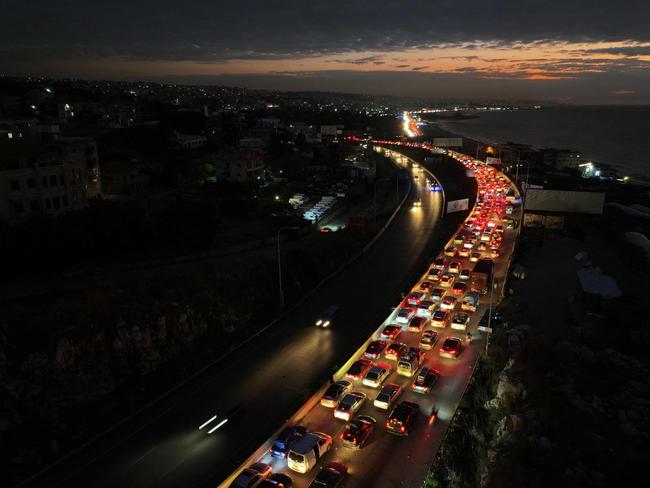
172	468
142	457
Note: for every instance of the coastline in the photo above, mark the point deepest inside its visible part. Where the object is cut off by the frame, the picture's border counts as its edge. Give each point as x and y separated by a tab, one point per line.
434	129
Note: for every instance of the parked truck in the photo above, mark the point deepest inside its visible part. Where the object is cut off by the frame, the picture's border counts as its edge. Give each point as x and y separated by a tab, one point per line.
482	276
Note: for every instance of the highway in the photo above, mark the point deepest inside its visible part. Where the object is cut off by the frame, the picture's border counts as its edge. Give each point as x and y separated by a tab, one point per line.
388	460
270	377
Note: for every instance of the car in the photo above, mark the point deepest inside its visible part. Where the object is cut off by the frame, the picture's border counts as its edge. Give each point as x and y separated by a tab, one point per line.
448	303
437	294
460	321
393	331
458	239
417	324
334	393
451	348
252	476
387	395
414	298
482	246
349	404
375	348
428	339
459	288
474	257
434	274
356	431
395	350
358	369
450	251
325	319
464	252
417	203
330	476
404	314
377	375
454	267
403	417
446	280
425	287
425	309
284	441
495	253
440	263
440	318
465	274
425	380
499	229
276	480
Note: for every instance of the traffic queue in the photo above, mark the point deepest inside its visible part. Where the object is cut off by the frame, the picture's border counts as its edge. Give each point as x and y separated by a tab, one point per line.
388	387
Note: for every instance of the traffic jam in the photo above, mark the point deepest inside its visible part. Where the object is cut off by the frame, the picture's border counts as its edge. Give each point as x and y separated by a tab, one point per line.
409	376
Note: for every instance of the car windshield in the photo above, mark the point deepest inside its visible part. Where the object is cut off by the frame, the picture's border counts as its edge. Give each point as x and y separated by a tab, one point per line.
333	391
296	458
383	397
372	375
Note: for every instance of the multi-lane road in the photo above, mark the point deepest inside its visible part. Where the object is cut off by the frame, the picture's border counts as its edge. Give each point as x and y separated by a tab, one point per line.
271	376
387	460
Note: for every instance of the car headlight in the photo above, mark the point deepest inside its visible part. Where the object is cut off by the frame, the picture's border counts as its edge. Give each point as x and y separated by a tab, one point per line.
326	323
319	322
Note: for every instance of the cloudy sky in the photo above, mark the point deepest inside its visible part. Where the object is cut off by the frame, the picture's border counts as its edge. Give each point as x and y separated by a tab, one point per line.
576	51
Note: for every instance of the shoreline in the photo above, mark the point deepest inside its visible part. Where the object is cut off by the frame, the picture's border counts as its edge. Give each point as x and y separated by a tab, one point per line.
439	131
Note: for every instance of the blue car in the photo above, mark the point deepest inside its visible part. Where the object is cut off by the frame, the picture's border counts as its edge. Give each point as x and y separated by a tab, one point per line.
285	440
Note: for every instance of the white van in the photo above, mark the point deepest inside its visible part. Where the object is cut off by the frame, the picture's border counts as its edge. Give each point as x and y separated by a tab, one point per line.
308	451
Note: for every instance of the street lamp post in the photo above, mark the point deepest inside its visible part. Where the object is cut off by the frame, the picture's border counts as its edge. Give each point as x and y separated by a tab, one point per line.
489	324
280	265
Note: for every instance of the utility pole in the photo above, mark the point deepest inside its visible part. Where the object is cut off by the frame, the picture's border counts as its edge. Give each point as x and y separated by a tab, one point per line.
487	340
280	265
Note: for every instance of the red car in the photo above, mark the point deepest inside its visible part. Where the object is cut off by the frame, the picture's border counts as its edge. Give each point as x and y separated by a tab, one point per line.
395	350
451	348
459	288
359	369
391	332
375	348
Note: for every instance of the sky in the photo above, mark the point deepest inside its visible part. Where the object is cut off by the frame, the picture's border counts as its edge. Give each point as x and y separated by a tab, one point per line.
566	51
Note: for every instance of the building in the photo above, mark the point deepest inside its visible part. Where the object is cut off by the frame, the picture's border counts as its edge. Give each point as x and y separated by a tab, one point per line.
561	158
124	179
242	166
34	180
191	142
84	151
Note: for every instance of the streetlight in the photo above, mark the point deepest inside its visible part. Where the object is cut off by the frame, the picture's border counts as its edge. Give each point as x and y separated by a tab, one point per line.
489	324
280	265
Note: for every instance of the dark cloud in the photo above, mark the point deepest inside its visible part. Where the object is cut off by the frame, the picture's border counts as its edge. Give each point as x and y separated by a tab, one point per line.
402	65
219	30
419	68
621	51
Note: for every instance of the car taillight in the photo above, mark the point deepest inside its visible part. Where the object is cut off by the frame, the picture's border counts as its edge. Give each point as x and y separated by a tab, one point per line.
387	425
401	429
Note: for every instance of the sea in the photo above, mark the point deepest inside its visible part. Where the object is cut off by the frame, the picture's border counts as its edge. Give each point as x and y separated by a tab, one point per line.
618	136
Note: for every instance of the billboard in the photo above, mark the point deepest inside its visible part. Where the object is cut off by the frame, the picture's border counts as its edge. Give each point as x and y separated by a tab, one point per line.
457	205
492	161
541	200
448	141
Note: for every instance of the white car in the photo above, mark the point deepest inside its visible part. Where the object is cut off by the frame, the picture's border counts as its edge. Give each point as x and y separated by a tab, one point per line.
349	405
460	321
448	303
376	376
387	396
404	315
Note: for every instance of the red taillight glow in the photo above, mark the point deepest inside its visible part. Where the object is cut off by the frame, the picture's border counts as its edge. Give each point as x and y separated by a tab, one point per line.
401	429
387	425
